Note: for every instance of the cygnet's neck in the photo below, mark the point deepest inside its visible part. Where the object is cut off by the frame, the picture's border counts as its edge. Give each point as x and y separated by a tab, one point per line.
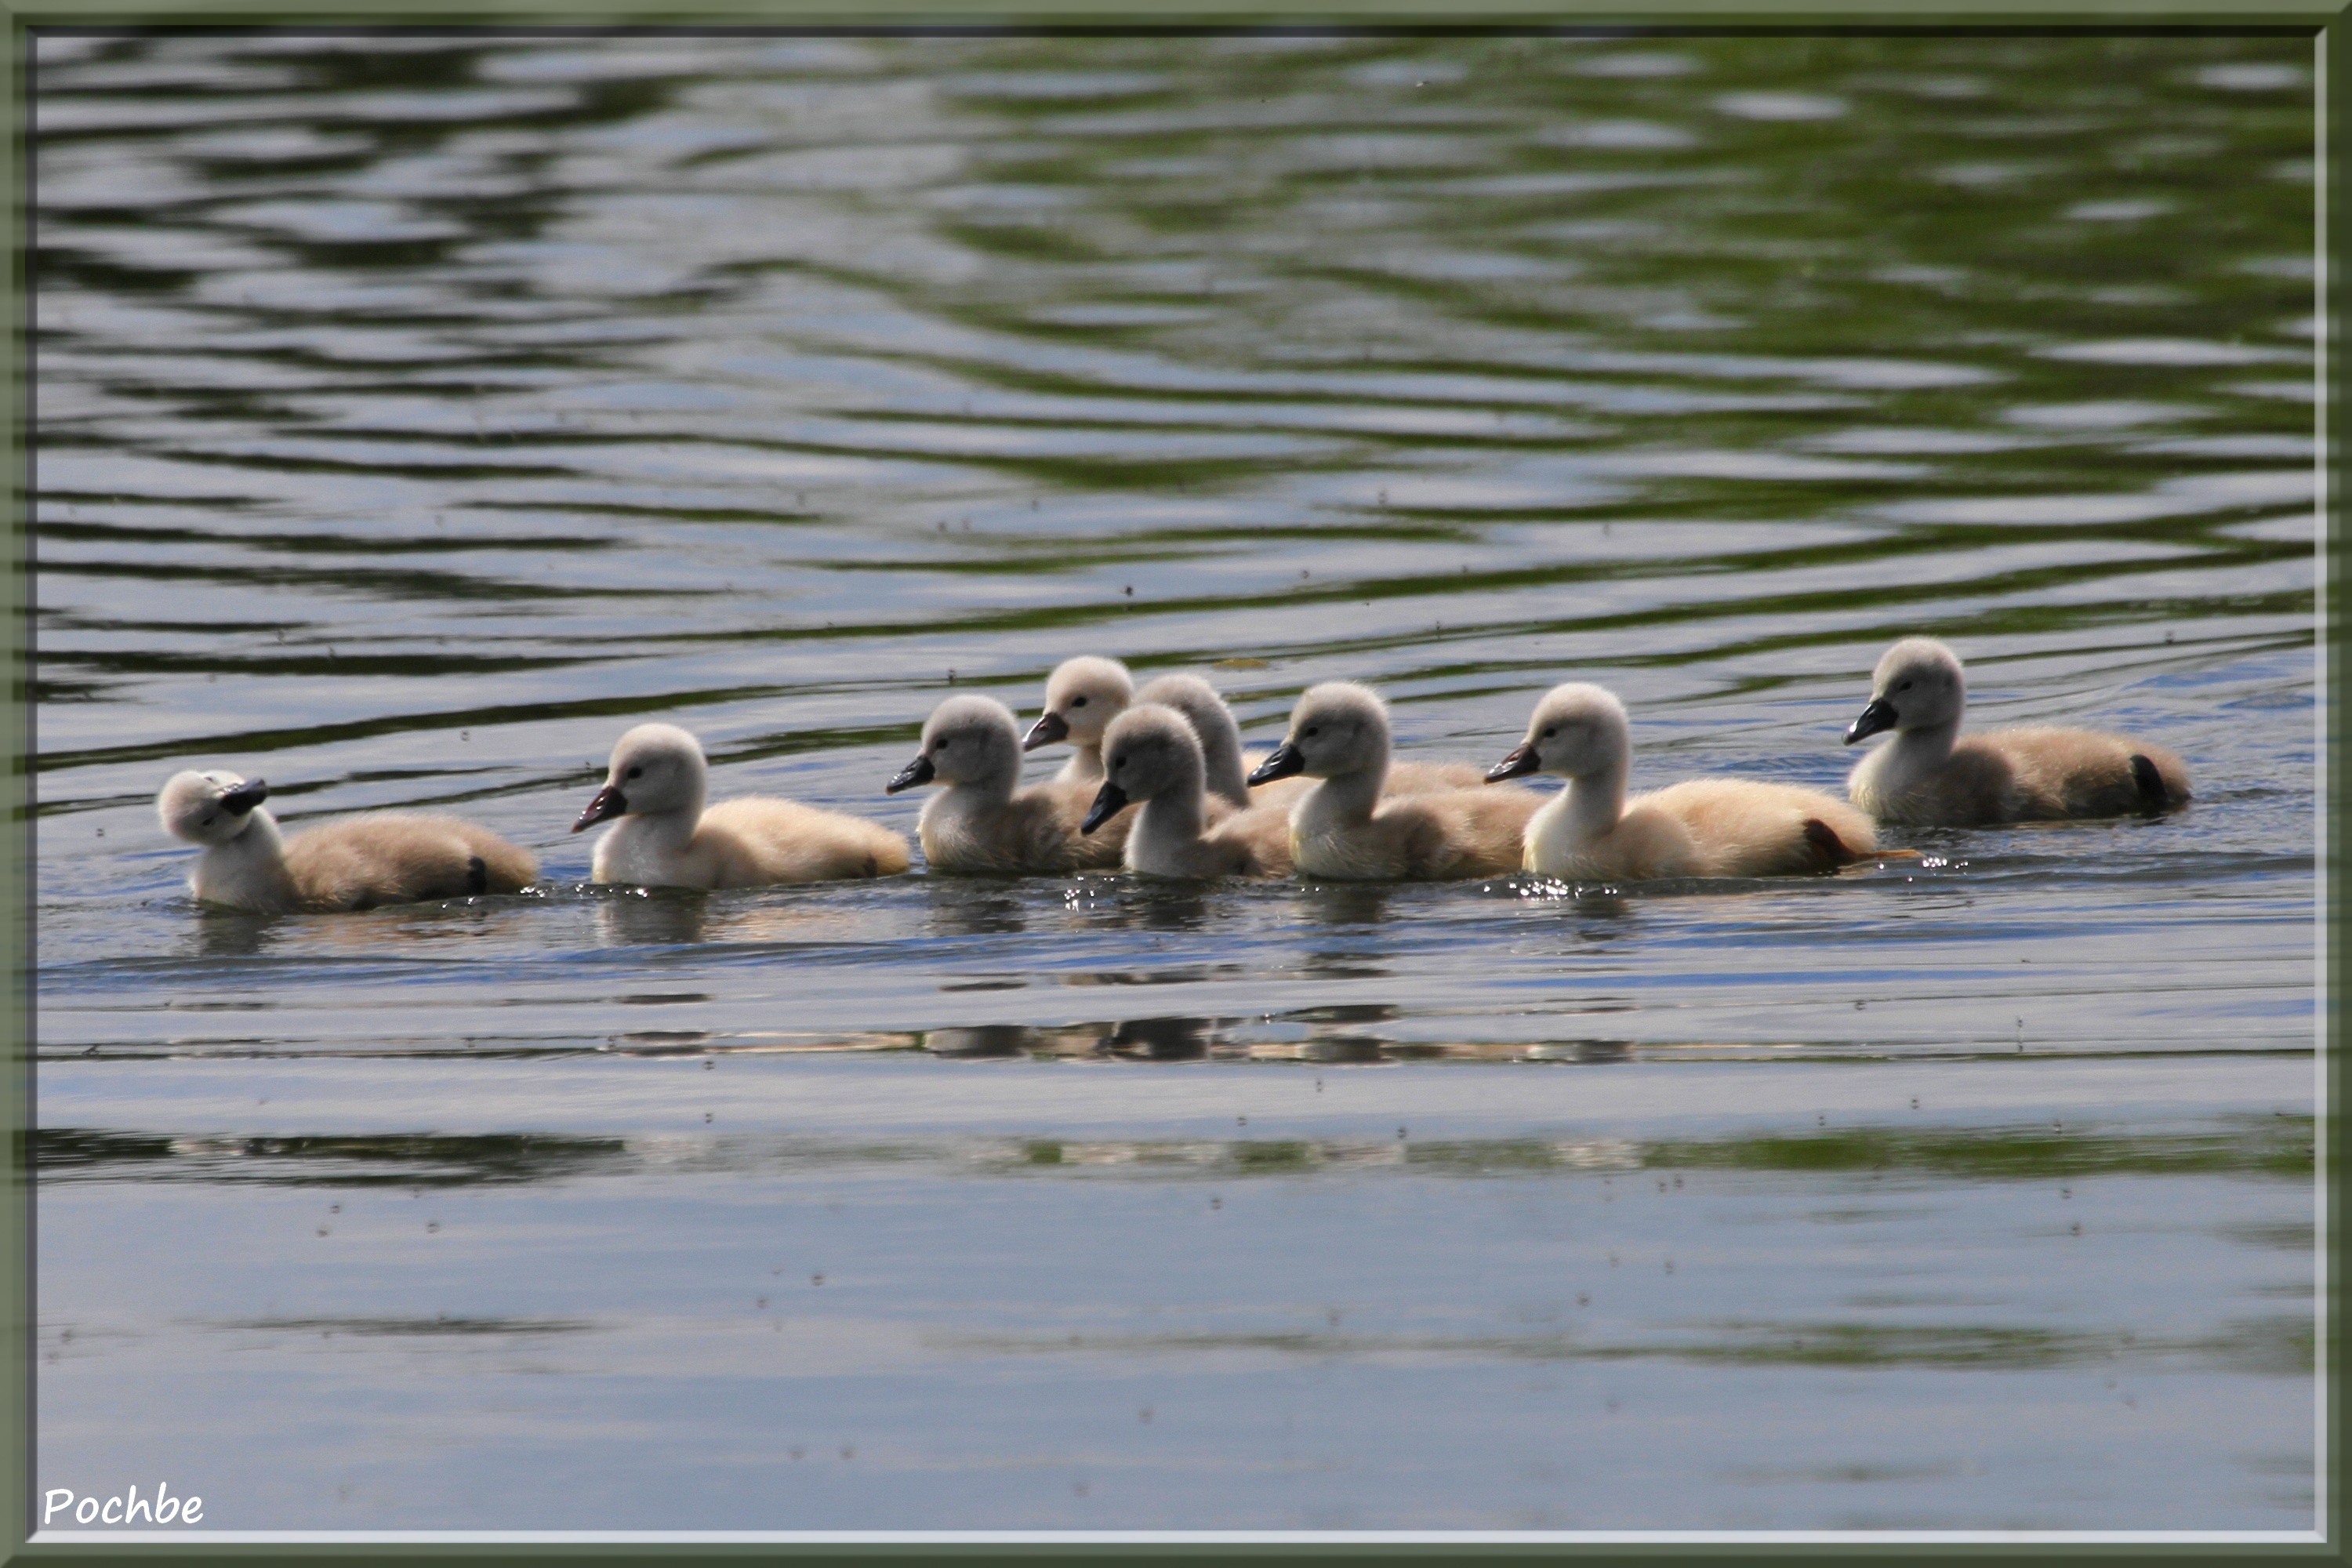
1085	763
672	825
250	868
1221	766
1171	819
1917	752
994	787
1354	793
1596	801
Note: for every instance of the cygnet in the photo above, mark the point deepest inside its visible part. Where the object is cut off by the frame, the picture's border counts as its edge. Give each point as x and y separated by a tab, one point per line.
1701	827
1227	768
665	838
1152	756
1343	828
984	821
1932	775
1082	697
380	858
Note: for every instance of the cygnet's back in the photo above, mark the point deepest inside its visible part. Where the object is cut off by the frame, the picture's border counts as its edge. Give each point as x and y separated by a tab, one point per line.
983	821
400	858
665	838
1344	828
1931	775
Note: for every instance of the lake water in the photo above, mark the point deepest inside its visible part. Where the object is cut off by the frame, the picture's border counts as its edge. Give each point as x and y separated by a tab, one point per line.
416	414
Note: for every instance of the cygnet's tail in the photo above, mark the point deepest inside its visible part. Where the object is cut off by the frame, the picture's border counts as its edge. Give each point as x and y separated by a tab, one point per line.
1827	850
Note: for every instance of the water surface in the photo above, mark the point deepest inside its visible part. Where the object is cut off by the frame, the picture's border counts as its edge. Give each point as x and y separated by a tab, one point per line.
417	413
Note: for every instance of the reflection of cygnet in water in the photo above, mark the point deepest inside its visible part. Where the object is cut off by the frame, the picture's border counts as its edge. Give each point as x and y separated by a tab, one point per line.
358	863
666	838
1344	830
653	917
1152	756
1701	827
1931	776
983	821
1082	697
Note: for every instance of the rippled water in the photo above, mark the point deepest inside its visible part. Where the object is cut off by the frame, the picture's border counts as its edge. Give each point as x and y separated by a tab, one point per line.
415	413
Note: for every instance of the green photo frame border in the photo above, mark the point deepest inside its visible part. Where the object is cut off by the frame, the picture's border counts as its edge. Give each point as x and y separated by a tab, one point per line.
2324	23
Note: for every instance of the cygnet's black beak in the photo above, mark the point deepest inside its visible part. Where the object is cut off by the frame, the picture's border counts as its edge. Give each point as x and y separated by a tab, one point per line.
245	798
609	803
1280	763
1522	761
918	771
1048	729
1109	801
1879	715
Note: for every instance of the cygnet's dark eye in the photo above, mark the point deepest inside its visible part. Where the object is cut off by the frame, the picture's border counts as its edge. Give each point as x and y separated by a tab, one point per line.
1548	734
1905	686
1309	733
633	773
1077	701
206	823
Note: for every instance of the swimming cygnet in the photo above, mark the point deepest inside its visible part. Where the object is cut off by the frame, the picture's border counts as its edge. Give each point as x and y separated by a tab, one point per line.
1344	828
380	858
1152	756
1931	776
666	838
1701	827
1082	697
1226	769
1228	766
984	821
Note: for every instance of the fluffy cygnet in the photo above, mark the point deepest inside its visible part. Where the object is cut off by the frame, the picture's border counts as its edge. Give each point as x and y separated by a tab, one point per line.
1343	828
1931	776
665	838
1227	767
1152	756
984	821
380	857
1082	697
1702	827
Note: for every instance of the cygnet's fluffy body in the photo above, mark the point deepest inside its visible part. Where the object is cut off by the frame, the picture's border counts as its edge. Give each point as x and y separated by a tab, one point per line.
358	863
1701	827
666	837
983	821
1932	775
1082	697
1344	830
1153	757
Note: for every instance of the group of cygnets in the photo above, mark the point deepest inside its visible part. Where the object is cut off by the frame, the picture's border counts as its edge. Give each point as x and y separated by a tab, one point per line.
1157	782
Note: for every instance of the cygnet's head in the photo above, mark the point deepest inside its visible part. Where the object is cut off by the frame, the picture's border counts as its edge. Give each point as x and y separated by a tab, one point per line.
1194	697
655	768
1578	730
1082	697
1918	686
1147	750
967	740
1336	728
208	808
